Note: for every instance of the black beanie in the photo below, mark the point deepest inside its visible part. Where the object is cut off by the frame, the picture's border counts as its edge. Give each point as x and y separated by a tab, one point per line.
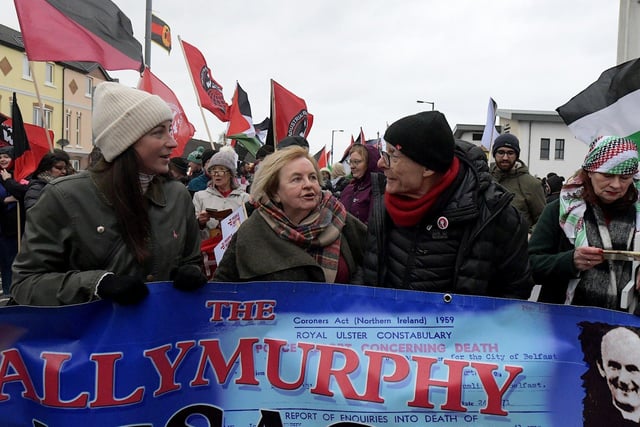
507	140
425	138
293	140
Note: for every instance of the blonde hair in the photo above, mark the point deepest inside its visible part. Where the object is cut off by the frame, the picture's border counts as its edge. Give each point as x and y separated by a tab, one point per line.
360	149
267	179
337	170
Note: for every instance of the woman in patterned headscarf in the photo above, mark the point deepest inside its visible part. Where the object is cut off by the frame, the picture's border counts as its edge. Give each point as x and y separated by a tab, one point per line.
598	210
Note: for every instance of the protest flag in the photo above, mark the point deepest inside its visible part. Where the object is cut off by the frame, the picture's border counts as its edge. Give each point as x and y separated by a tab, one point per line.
181	129
68	30
361	139
289	114
160	33
609	106
240	126
322	158
209	92
29	142
490	133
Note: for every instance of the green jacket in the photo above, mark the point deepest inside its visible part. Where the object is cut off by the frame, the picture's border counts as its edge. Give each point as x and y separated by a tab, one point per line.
529	198
72	239
256	253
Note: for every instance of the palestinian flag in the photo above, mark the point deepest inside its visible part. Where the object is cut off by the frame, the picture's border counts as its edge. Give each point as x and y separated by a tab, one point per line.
71	30
241	123
322	158
160	33
181	129
608	107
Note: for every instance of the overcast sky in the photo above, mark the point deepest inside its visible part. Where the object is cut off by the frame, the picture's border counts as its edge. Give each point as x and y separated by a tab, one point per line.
365	63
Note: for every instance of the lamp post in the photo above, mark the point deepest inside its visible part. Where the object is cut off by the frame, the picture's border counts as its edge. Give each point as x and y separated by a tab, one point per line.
333	131
433	104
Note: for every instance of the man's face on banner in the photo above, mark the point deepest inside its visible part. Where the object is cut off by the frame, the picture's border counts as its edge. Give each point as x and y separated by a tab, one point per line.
620	366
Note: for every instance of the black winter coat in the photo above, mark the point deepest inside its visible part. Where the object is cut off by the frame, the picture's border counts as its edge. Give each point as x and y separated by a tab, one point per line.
482	250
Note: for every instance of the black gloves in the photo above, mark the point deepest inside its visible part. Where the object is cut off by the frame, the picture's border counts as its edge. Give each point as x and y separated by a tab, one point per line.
125	290
188	277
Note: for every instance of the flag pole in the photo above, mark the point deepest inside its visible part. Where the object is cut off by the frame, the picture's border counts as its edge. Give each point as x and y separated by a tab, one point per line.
40	106
273	119
196	92
147	34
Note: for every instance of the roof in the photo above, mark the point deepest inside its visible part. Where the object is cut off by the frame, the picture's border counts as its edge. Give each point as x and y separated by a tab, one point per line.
530	115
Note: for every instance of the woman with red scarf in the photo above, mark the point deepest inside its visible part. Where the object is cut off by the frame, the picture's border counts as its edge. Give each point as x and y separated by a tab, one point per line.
442	225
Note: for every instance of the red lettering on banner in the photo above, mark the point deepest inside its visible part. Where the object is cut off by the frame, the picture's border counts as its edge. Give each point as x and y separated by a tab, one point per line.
376	360
326	371
453	384
105	383
273	363
166	369
51	383
241	310
494	393
12	358
211	352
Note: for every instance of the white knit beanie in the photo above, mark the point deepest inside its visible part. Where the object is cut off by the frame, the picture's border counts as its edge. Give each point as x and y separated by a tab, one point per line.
223	158
122	115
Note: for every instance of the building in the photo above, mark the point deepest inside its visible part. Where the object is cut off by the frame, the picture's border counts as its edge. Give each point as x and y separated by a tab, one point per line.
546	143
65	90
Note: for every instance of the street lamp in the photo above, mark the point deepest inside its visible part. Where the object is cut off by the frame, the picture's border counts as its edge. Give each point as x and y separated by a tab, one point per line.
433	104
333	131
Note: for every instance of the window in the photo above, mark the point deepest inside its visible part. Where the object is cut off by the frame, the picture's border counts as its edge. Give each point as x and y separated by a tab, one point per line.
544	148
88	87
75	164
476	136
559	154
67	124
48	73
26	70
78	127
39	119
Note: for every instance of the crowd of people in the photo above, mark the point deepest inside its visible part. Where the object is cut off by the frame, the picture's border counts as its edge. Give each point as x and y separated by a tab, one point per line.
420	210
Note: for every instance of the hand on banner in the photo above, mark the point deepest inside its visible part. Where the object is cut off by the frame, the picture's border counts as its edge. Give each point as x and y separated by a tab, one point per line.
188	277
125	290
586	257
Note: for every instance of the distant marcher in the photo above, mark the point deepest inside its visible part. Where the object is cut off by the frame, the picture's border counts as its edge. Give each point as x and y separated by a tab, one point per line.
298	232
598	209
325	179
552	187
103	233
356	196
201	180
178	168
293	141
222	193
511	172
9	227
442	224
339	179
52	165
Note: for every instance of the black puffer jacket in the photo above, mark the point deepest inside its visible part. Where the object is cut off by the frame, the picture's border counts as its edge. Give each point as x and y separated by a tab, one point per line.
479	248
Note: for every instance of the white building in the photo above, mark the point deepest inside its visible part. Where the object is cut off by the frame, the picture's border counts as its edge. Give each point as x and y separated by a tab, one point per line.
546	144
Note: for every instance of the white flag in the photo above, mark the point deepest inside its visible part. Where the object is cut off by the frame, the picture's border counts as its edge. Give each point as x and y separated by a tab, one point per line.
490	133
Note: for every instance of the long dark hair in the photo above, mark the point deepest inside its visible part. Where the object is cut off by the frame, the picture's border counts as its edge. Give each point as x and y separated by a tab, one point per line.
124	192
49	160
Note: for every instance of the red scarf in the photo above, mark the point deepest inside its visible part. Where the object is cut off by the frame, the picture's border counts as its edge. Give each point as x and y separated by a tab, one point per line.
407	212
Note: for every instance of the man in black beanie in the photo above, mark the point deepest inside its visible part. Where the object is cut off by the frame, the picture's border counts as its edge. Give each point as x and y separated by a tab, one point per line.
441	224
511	172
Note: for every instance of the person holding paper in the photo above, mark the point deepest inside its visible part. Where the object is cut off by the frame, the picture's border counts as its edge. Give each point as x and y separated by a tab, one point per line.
297	232
105	233
222	193
598	209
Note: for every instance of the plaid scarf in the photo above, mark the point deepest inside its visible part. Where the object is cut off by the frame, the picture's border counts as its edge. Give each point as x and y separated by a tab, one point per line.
319	234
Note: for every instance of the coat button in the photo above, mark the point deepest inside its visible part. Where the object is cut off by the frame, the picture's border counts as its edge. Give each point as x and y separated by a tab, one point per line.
150	278
100	229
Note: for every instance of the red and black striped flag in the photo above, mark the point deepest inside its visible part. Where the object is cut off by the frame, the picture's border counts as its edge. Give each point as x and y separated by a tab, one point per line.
29	142
160	32
71	30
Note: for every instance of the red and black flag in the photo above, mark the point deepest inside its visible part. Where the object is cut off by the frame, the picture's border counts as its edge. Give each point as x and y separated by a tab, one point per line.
29	142
160	32
289	115
209	91
322	158
71	30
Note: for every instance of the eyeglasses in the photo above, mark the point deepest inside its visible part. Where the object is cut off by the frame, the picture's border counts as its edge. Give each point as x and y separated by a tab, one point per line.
218	172
509	153
355	162
384	156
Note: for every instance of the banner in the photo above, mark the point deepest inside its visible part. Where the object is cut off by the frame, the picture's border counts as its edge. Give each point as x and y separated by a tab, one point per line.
314	355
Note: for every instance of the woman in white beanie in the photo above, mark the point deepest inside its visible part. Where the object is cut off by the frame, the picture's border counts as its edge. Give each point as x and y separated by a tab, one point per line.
105	232
222	192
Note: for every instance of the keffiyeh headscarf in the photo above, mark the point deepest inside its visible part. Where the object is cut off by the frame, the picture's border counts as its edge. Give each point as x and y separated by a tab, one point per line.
609	155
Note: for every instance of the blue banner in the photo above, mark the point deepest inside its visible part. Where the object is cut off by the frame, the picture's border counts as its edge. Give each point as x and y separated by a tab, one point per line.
307	354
